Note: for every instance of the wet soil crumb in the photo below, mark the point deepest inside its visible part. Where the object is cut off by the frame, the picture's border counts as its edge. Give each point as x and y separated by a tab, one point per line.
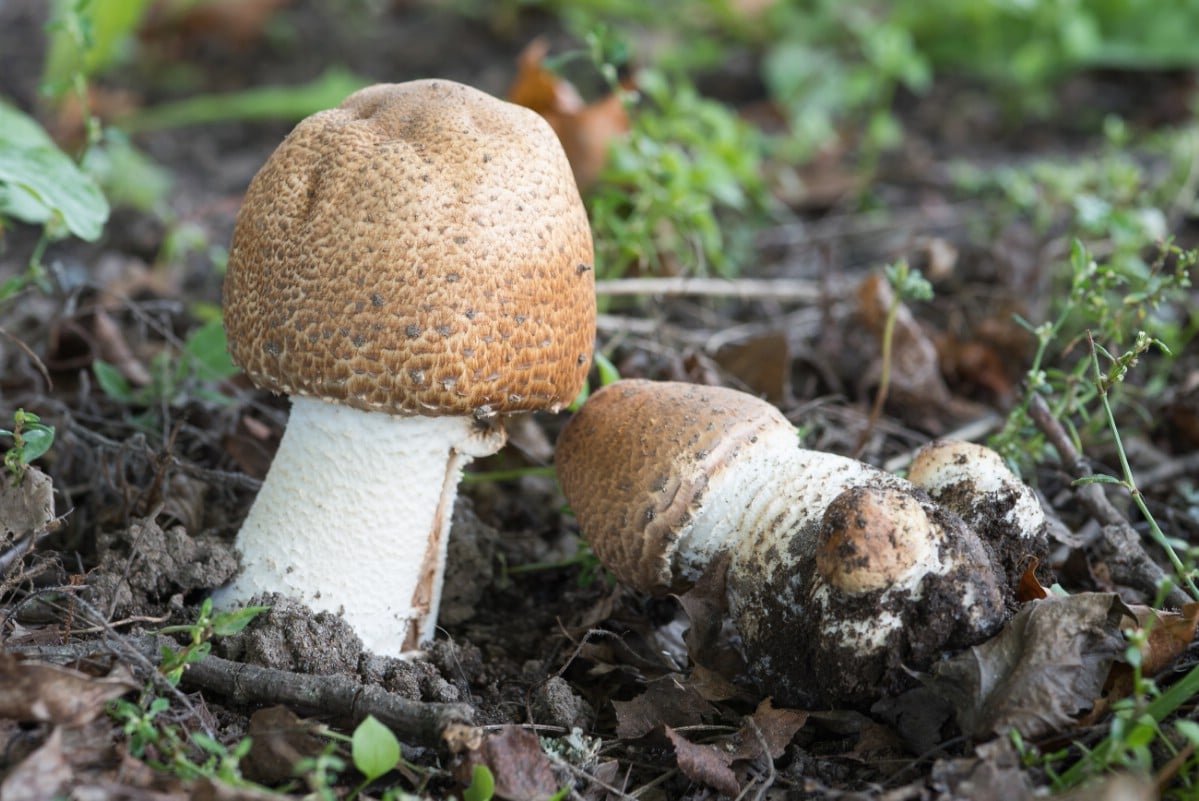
284	638
146	566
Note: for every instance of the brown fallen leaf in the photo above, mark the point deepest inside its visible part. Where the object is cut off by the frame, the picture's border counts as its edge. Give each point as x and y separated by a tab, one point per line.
769	728
668	701
1170	634
45	693
25	506
708	638
585	130
1030	588
1047	665
762	363
279	740
709	765
41	775
916	381
995	773
176	25
520	768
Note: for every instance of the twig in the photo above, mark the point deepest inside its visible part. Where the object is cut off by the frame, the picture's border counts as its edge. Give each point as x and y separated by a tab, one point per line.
1130	563
793	289
417	722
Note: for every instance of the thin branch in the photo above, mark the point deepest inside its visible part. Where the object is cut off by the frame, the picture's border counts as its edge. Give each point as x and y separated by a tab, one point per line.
1132	564
417	722
788	289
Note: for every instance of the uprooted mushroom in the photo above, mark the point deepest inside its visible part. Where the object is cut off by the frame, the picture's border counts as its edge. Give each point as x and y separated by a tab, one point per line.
841	578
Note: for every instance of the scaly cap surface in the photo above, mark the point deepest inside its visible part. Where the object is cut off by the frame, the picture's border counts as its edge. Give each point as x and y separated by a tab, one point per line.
638	459
421	249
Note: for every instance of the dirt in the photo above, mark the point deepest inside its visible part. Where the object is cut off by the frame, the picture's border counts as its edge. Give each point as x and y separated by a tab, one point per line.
148	505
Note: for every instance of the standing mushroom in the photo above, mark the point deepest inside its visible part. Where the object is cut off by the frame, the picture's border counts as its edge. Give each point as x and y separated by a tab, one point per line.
841	577
406	266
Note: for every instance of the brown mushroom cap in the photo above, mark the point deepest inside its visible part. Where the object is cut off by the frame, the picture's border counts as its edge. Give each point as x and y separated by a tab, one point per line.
637	459
421	249
874	538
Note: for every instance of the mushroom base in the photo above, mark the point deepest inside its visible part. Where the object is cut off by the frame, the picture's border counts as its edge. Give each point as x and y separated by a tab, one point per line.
354	515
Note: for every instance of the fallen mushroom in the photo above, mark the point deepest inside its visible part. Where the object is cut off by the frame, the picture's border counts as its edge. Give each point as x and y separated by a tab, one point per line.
841	577
407	267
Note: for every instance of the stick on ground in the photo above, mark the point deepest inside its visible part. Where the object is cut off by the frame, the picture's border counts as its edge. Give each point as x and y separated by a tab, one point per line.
416	722
1120	545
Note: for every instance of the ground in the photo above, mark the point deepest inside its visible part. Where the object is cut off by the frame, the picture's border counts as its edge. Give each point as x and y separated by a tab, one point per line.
150	489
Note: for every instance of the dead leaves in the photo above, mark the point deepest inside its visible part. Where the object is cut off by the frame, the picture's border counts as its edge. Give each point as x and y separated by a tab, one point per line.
1047	666
521	770
585	130
68	701
42	693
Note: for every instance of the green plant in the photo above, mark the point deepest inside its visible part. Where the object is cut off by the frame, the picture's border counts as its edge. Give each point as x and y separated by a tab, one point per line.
677	193
375	751
163	743
828	63
1112	303
41	185
906	285
176	375
200	634
31	438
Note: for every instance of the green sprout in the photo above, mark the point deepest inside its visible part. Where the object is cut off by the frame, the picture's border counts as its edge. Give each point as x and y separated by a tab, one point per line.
31	439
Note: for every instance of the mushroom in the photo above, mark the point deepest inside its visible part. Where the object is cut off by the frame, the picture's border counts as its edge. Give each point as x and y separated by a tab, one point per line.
841	577
973	481
407	267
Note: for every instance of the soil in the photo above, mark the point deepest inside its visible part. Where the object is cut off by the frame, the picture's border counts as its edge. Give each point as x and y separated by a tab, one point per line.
148	499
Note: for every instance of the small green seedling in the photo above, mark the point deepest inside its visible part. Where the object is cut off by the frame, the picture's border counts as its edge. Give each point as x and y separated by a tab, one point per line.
207	626
375	751
31	439
482	785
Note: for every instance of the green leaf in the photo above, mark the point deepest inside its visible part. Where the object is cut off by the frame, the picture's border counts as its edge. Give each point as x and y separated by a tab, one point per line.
1097	479
608	373
1188	729
482	785
374	748
37	440
39	183
266	103
207	347
112	382
226	623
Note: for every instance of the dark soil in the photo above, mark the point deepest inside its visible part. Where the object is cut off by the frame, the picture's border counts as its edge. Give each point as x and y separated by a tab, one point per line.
149	499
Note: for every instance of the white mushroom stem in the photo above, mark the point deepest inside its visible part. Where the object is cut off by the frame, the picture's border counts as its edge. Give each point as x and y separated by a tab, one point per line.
354	516
771	504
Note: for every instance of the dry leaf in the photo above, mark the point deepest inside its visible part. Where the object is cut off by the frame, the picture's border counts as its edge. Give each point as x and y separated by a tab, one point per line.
916	381
770	728
994	774
178	24
1048	664
1170	635
40	692
1029	588
41	775
521	769
708	765
25	506
668	701
585	130
763	364
279	739
708	637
